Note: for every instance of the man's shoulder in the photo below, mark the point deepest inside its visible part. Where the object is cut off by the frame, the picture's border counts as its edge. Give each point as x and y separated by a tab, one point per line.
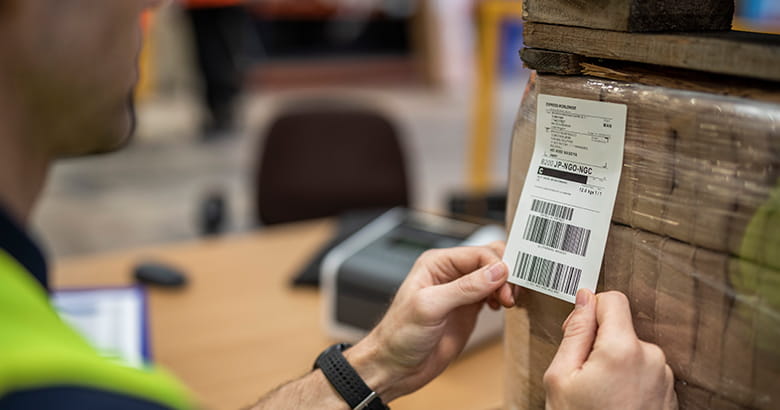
45	359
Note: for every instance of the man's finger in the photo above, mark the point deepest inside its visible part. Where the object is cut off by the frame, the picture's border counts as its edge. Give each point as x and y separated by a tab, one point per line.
450	264
578	336
613	315
504	296
493	304
472	288
498	246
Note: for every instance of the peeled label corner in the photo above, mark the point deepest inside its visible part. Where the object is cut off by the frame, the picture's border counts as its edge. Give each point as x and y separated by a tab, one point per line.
560	229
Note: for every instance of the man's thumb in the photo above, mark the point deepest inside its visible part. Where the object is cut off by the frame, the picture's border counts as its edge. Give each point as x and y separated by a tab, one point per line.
579	333
472	288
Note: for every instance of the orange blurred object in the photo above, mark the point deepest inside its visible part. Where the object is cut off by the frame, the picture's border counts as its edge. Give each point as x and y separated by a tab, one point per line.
146	18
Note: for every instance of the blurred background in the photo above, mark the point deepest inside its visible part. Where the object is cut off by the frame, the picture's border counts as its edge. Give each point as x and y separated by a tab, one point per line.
220	78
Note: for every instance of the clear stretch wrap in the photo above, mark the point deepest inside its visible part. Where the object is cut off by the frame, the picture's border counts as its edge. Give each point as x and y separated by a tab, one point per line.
694	242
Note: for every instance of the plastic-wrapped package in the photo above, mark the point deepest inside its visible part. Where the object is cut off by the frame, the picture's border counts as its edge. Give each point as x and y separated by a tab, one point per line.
694	243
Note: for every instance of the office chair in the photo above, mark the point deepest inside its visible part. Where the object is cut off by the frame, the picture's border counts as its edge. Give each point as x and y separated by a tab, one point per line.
322	158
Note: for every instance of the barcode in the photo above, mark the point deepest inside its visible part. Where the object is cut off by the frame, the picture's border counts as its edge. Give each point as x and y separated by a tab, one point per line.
558	235
549	274
548	208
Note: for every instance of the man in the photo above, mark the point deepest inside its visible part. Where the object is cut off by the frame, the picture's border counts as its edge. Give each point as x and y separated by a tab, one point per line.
65	84
221	30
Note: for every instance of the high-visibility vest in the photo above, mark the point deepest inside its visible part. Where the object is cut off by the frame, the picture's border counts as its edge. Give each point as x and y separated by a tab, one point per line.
39	350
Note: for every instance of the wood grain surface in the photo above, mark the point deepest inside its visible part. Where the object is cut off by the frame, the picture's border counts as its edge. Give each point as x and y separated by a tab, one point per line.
751	55
633	15
558	62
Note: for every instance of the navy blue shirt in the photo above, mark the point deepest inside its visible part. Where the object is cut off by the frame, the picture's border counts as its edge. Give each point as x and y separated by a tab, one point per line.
15	242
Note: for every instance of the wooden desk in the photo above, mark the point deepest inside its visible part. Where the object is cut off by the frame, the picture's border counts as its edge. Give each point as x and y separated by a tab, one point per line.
239	329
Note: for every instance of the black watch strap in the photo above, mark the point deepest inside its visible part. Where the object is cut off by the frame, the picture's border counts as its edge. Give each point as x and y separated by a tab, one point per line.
347	382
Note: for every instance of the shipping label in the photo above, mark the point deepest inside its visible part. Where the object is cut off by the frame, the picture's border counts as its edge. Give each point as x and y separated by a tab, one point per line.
559	233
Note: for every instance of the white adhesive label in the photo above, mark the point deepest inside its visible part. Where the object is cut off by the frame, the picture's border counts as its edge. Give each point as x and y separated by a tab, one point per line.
560	229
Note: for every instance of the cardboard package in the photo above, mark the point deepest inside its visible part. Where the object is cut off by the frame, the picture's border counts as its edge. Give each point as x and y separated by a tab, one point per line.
693	244
697	167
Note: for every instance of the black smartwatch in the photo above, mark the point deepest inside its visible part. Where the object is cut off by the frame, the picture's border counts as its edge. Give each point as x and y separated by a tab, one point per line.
347	382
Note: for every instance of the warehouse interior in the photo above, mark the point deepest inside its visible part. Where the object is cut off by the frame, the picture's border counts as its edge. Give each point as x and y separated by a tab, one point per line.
271	137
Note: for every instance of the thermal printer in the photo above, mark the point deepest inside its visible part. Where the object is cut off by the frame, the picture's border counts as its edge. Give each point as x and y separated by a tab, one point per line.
360	276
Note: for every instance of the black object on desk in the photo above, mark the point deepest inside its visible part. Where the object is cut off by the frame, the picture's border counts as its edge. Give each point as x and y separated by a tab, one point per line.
159	274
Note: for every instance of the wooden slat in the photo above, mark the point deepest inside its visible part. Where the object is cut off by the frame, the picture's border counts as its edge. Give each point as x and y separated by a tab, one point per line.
633	15
687	80
751	55
556	62
552	62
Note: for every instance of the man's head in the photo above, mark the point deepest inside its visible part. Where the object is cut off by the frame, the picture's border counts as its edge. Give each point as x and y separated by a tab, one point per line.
67	73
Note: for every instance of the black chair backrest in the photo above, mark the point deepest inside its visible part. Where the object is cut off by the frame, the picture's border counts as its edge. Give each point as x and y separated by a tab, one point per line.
323	159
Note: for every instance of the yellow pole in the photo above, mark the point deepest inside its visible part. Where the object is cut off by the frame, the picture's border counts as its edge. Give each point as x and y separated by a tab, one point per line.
146	59
491	14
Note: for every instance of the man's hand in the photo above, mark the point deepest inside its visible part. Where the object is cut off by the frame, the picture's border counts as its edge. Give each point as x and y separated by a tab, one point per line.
601	364
425	328
431	318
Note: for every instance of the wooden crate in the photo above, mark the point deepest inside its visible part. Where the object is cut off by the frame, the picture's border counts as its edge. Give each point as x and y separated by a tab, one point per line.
633	15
